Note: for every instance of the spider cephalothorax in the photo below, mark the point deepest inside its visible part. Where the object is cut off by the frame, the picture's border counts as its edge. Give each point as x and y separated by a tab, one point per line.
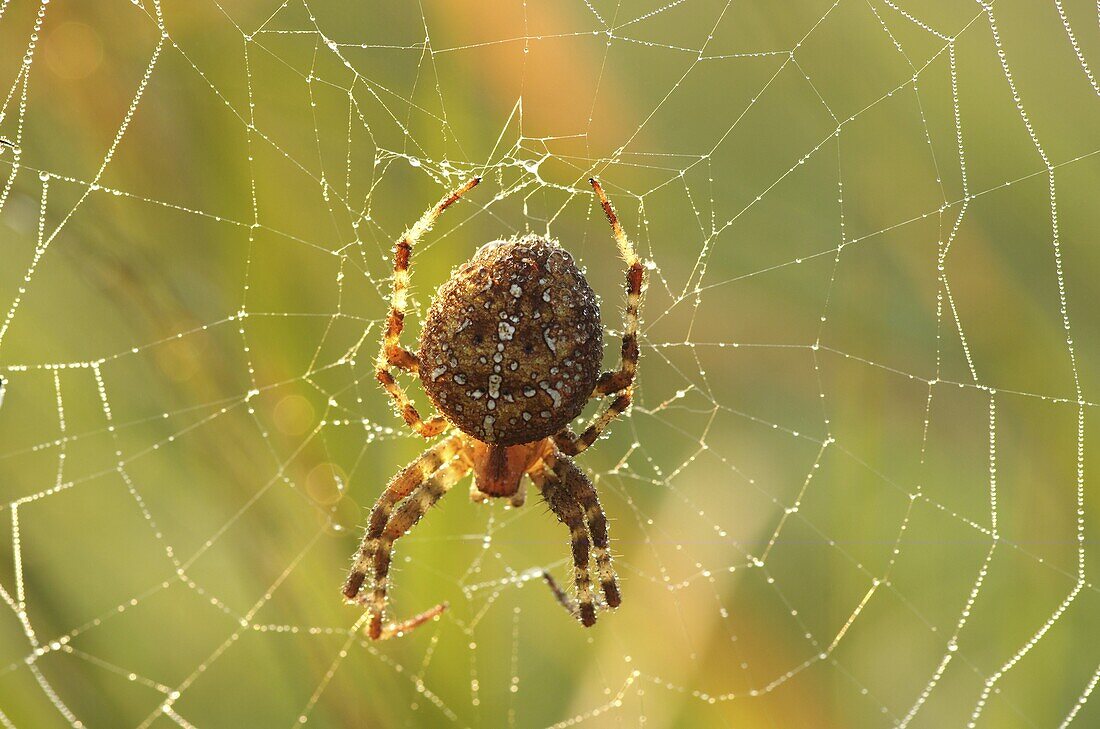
509	354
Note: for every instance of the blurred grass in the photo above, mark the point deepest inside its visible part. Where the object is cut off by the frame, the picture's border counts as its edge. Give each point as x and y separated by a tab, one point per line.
253	442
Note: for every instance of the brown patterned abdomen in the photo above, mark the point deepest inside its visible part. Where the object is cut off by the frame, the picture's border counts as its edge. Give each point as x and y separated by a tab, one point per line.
512	344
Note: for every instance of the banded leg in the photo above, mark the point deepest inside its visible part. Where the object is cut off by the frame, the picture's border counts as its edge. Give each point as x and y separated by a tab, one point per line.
584	493
402	520
569	513
571	444
393	354
622	378
621	381
411	476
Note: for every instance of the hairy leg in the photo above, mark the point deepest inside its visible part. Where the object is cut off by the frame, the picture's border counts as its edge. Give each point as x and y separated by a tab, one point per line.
393	354
618	380
621	381
417	487
400	486
584	493
571	443
569	513
401	521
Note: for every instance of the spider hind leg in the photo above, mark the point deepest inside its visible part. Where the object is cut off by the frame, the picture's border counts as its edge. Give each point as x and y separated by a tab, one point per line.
393	354
616	383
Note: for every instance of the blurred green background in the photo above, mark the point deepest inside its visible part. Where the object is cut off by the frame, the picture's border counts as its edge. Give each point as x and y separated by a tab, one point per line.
856	486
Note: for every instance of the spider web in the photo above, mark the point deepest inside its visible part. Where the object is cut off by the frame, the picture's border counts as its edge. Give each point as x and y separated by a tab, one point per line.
851	492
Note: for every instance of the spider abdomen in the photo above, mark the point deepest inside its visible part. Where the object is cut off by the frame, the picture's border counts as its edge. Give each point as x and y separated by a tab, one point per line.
512	344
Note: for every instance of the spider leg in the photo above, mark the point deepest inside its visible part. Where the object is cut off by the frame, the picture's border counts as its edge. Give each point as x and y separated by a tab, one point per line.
415	621
622	378
393	354
405	518
569	512
417	487
559	594
400	486
621	381
584	493
571	444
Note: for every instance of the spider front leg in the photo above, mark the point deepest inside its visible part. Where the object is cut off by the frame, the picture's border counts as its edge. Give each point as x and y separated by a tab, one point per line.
377	550
404	519
569	512
393	354
621	381
584	493
410	477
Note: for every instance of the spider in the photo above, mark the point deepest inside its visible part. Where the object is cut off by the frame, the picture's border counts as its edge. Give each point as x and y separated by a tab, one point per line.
510	352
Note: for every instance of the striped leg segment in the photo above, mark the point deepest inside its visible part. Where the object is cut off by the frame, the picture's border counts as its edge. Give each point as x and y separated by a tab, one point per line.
617	381
621	381
571	444
403	405
411	476
419	492
403	519
584	493
569	512
393	354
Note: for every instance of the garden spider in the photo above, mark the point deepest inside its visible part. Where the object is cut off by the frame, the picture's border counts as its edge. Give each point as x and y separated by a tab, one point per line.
509	354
